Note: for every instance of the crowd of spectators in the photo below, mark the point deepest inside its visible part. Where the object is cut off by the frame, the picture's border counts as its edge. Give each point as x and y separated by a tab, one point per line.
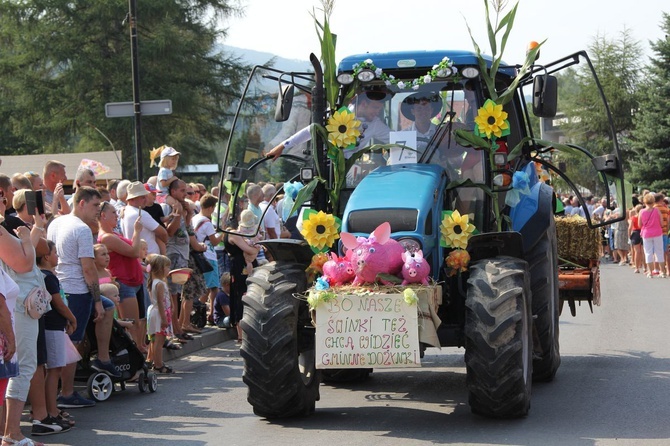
639	239
106	253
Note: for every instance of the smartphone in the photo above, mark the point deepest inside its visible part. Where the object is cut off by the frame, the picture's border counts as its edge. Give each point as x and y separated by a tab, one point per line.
30	202
34	199
39	202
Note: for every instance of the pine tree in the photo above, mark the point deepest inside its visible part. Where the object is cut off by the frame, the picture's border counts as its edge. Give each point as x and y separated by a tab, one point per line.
651	137
61	61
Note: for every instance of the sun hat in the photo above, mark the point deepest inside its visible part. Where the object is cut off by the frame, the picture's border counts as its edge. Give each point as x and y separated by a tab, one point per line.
180	276
136	189
247	219
169	151
432	97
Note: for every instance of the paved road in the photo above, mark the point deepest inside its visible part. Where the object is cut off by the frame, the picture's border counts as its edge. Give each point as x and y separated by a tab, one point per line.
613	387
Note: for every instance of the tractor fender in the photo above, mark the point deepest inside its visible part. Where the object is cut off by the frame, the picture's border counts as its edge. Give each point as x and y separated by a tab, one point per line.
289	250
531	216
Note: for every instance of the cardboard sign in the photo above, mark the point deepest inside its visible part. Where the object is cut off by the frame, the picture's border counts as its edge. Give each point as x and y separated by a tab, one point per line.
401	155
371	331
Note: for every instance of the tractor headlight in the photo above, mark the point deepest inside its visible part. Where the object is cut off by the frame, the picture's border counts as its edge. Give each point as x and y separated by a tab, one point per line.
365	75
410	244
470	72
345	78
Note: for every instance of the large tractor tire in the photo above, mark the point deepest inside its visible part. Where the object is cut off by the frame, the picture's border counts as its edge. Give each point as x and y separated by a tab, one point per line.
498	337
278	345
543	263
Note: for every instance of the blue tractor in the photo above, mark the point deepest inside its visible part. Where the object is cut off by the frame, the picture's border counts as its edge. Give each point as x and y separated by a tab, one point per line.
504	311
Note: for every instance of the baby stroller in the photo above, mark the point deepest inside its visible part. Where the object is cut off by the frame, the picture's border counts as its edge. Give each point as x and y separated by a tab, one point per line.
125	356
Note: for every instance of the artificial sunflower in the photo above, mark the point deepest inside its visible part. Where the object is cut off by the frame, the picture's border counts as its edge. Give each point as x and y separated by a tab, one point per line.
456	229
320	229
343	128
491	119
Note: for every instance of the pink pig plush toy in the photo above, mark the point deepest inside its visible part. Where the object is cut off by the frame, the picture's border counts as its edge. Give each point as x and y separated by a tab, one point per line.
416	269
338	270
376	254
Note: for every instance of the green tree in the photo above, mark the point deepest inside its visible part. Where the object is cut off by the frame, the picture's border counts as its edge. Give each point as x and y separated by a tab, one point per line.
651	137
617	63
62	60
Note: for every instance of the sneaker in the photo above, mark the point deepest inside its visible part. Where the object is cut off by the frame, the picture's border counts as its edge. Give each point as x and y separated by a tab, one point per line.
105	367
48	426
74	401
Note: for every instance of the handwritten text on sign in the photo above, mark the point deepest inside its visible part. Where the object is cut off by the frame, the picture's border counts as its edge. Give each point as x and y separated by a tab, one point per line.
374	331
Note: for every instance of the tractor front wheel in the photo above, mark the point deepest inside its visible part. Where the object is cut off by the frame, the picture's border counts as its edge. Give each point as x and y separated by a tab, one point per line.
278	343
498	338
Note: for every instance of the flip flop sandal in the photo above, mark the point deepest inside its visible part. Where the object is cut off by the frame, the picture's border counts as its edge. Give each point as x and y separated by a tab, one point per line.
185	337
191	330
66	418
171	346
164	370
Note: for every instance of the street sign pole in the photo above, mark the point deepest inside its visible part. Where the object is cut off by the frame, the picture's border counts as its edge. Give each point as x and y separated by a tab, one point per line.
132	5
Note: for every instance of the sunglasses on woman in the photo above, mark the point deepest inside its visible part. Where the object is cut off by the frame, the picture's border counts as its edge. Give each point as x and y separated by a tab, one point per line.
103	205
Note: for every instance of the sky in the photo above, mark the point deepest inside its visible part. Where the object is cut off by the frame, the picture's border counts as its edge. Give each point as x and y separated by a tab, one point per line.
286	28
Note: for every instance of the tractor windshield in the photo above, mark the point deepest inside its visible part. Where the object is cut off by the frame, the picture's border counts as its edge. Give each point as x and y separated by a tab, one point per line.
255	130
401	126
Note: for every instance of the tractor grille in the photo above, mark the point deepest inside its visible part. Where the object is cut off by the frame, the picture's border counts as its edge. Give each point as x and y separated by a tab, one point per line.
368	220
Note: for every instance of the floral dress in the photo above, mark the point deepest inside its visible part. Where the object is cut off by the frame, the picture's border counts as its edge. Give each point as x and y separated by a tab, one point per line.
153	313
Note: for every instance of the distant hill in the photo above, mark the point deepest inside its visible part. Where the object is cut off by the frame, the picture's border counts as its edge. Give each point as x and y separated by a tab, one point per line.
254	57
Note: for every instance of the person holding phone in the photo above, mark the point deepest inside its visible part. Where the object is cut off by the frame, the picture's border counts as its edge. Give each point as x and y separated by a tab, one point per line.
27	214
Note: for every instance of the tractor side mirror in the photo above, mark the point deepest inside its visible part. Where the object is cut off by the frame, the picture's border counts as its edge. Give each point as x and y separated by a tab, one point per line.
606	163
545	96
284	102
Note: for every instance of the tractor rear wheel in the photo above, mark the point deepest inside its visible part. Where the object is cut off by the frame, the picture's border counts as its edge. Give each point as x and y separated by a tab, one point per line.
278	344
543	263
498	338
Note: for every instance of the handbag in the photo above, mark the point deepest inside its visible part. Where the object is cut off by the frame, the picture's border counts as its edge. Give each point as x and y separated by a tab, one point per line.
201	262
37	302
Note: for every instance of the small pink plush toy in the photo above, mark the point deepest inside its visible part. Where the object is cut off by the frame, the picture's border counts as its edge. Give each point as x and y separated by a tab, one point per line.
338	270
416	269
376	254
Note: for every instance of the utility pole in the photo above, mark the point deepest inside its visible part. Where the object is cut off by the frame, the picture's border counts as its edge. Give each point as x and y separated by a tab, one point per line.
132	5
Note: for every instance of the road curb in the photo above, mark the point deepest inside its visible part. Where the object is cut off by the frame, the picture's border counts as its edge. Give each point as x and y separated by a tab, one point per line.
210	336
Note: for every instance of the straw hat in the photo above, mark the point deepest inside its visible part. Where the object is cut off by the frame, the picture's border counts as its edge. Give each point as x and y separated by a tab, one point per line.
136	189
247	219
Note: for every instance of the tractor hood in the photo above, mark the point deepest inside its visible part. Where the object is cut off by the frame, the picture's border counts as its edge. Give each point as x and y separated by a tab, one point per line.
403	195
